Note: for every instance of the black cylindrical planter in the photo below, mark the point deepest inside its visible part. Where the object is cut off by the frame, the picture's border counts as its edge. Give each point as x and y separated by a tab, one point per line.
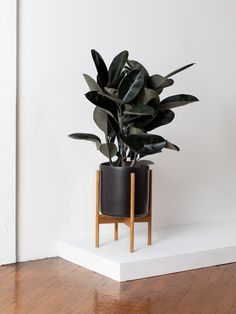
115	190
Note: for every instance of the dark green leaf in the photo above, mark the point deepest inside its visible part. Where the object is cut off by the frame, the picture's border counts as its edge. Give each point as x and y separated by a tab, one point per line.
145	144
167	83
112	123
135	65
171	146
130	86
140	122
117	65
145	162
101	67
177	101
116	83
87	137
106	123
112	91
180	69
162	118
99	81
103	102
154	103
141	111
134	130
108	149
113	98
145	95
101	119
155	81
92	84
158	81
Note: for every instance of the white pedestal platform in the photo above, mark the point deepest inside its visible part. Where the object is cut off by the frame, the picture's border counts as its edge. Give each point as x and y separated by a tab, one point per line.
174	249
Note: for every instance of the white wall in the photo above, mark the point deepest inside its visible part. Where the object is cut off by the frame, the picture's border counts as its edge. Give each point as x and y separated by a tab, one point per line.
57	174
7	129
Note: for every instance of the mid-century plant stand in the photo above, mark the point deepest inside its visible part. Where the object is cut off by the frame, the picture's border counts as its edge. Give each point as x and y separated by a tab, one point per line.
129	221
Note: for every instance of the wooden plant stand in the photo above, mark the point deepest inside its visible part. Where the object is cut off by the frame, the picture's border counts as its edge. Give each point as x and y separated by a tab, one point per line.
129	221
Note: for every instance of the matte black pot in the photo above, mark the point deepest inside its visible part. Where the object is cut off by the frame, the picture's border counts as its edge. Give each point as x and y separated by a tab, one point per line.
115	190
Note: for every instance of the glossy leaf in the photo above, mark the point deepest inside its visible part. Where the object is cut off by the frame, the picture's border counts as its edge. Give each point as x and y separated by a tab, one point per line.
141	121
113	129
108	149
100	117
144	162
113	98
117	66
141	111
106	123
154	103
167	83
113	124
99	81
92	84
134	130
130	86
179	70
145	95
103	102
155	81
116	83
101	67
87	137
135	65
145	144
162	118
171	146
111	91
177	101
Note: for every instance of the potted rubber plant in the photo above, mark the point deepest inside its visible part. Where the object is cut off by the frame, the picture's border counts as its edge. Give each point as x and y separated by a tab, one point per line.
127	107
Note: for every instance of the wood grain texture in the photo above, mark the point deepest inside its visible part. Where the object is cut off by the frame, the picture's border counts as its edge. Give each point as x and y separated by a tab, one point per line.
150	209
55	286
115	231
98	188
132	209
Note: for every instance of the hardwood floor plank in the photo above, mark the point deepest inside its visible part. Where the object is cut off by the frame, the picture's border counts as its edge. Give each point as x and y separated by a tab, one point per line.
55	286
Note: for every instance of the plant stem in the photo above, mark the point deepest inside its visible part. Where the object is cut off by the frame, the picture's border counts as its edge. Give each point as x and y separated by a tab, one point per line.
121	143
109	154
134	160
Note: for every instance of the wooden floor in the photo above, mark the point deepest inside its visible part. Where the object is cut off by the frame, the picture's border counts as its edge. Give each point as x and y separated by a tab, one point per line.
55	286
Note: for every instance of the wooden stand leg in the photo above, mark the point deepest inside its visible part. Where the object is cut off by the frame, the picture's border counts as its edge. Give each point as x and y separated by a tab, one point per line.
150	232
132	208
116	231
150	209
97	207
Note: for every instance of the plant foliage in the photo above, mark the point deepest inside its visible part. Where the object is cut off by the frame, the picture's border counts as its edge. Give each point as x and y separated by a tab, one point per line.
128	106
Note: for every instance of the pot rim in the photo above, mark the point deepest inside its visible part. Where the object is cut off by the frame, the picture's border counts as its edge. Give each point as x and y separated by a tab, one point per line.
107	164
